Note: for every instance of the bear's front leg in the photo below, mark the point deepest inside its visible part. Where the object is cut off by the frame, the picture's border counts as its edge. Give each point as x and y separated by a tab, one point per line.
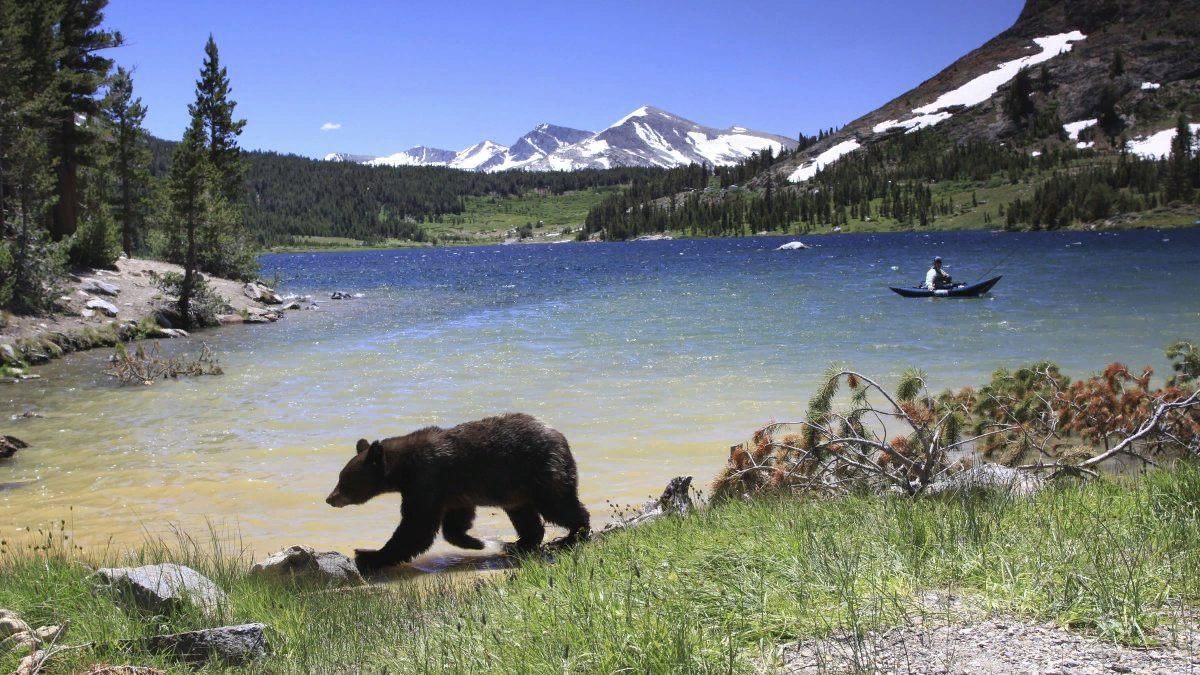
415	534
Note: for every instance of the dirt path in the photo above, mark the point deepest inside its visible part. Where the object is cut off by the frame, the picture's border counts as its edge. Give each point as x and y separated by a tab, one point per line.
951	636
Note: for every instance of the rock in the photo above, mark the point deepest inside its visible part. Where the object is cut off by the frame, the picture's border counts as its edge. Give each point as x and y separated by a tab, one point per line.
102	305
230	319
233	644
100	287
306	563
12	624
8	354
175	333
793	246
260	293
9	446
291	304
161	588
87	313
989	477
338	295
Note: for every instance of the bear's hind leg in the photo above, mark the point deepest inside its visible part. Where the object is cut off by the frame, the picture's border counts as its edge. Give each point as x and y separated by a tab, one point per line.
570	513
529	528
455	524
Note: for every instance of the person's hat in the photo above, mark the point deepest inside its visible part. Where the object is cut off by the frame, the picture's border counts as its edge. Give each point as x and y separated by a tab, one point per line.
937	258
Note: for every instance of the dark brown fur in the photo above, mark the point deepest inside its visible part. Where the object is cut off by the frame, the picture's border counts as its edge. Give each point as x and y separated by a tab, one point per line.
513	462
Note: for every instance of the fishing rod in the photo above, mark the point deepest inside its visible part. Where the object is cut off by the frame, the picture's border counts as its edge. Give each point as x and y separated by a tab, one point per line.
1002	261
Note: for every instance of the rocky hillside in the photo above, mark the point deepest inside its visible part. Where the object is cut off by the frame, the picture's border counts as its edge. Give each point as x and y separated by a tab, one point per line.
1124	68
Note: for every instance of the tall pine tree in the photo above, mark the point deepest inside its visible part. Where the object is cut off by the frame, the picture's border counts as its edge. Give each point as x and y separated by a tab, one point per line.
1179	165
130	159
30	266
81	71
226	249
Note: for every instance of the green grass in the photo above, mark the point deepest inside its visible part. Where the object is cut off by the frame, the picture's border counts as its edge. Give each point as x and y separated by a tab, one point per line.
711	592
492	217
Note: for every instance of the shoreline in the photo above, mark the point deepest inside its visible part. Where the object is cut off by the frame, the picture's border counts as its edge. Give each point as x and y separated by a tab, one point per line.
102	308
1164	218
765	584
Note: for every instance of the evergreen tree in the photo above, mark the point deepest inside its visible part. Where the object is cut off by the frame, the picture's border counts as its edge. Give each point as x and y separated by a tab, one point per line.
190	187
1018	104
226	249
1117	67
1109	119
1179	165
80	72
1045	84
222	129
130	159
30	265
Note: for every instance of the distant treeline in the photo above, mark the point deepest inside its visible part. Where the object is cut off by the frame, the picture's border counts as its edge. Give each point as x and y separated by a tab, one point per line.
891	180
290	196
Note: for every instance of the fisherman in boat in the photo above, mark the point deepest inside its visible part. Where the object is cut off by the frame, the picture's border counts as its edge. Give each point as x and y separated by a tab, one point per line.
936	278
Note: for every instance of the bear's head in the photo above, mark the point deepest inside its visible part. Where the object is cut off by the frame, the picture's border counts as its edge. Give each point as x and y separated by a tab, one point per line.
362	478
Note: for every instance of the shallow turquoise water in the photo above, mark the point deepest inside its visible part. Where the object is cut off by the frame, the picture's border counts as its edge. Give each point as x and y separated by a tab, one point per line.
652	357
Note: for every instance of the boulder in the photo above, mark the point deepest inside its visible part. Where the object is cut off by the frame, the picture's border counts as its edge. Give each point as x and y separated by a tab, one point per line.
291	304
232	644
100	287
793	246
303	562
989	476
230	319
161	588
260	293
9	445
103	306
8	354
87	313
175	333
340	295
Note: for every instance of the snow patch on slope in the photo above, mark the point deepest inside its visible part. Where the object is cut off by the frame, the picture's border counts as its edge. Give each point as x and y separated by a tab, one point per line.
810	168
1158	144
985	86
1073	128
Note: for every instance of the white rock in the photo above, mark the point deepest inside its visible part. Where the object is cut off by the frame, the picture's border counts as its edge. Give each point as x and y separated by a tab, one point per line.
793	246
103	306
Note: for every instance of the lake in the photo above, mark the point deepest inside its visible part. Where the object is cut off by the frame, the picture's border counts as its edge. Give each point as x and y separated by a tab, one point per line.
652	357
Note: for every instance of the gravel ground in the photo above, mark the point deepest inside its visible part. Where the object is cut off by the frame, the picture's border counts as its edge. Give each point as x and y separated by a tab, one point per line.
951	636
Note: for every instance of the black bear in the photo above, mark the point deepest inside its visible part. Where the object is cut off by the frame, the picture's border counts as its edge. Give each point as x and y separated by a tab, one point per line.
513	461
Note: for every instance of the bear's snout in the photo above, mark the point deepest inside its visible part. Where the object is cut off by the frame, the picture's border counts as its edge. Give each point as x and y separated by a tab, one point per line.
336	500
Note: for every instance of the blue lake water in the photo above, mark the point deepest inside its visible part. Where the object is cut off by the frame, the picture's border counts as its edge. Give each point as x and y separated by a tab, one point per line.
652	357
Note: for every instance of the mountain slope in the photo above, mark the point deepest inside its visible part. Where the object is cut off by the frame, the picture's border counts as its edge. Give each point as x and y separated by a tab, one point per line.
1073	44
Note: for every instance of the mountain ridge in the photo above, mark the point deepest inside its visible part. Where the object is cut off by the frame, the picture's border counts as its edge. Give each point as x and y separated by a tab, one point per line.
646	137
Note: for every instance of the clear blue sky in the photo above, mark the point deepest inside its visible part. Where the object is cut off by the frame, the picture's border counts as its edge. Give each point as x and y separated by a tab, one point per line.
450	73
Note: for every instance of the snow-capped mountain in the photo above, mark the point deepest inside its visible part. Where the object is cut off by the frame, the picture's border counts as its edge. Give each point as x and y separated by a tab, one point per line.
652	137
647	136
347	157
418	156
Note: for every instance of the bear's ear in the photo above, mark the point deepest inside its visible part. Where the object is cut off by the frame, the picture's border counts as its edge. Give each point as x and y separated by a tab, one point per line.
375	453
362	446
